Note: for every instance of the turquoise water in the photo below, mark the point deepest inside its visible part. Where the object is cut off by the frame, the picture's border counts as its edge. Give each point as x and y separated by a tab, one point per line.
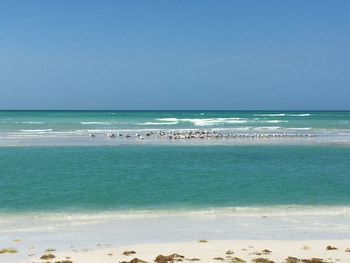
171	177
71	122
130	176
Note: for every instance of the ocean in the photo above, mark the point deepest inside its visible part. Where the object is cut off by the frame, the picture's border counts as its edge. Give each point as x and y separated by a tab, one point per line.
134	175
22	123
160	177
53	173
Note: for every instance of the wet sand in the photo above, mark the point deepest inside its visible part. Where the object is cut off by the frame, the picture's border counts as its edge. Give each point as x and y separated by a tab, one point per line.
300	234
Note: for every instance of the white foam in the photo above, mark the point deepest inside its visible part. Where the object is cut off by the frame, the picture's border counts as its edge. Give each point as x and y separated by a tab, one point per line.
32	122
214	121
246	211
95	122
283	114
236	121
274	121
300	115
43	130
271	115
209	121
301	129
158	123
167	119
272	128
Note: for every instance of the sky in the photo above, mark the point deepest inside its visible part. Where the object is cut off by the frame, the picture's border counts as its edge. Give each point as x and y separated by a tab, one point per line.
188	54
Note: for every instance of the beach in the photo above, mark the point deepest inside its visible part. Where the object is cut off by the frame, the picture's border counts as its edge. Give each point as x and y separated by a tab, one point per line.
247	234
263	251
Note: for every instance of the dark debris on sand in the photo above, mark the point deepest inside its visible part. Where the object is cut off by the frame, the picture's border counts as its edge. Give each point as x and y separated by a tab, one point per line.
232	259
313	260
8	250
262	260
265	251
236	260
292	260
169	259
129	252
47	256
331	248
134	260
297	260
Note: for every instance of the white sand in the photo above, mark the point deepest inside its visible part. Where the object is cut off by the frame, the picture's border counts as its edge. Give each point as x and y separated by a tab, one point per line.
102	238
206	252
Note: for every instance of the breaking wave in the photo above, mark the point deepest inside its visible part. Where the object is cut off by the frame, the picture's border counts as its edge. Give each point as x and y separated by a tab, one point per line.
37	131
283	114
271	115
95	122
158	123
32	122
274	121
300	115
206	122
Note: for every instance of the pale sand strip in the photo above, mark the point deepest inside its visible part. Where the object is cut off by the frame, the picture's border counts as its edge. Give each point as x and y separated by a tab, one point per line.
204	251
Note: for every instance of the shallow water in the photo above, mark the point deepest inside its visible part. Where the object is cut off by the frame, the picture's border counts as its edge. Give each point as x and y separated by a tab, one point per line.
122	191
172	177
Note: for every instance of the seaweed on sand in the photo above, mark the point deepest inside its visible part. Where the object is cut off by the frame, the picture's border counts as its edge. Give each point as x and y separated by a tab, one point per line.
265	251
134	260
292	260
129	252
331	248
8	251
47	256
169	258
313	260
262	260
237	260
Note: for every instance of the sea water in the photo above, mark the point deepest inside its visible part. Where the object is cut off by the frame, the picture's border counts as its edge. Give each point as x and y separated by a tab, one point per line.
175	190
172	177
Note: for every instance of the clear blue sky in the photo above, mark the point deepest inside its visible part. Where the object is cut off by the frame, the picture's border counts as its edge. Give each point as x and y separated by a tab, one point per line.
175	54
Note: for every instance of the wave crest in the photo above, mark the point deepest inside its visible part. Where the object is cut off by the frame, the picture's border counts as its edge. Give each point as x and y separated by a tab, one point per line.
95	122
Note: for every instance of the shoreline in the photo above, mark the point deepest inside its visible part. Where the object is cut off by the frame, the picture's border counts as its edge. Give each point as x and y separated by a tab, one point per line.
85	238
157	212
